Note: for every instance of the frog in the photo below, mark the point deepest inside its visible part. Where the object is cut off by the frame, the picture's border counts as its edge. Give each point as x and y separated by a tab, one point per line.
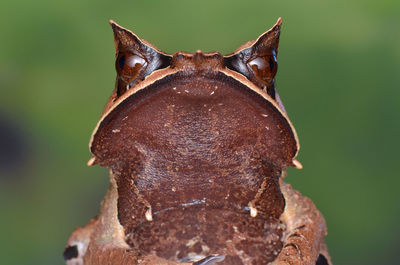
197	146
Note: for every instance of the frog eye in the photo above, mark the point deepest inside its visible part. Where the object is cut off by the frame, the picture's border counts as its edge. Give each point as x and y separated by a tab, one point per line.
128	66
264	67
135	59
257	60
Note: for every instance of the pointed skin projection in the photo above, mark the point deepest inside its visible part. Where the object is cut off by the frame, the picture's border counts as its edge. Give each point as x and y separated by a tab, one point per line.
197	145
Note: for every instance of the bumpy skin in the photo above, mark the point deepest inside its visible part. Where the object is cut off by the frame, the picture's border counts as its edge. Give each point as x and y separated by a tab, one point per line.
197	146
103	240
306	229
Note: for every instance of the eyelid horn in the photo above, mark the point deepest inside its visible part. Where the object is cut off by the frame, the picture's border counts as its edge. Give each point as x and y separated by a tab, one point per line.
257	60
130	48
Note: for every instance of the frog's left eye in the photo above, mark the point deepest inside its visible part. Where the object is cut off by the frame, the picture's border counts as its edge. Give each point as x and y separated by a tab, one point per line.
264	68
258	60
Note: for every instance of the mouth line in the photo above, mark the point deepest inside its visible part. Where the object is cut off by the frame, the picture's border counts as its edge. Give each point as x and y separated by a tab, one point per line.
204	260
194	203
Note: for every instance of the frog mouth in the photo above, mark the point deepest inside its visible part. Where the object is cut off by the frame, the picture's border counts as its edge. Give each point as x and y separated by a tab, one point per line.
246	209
209	260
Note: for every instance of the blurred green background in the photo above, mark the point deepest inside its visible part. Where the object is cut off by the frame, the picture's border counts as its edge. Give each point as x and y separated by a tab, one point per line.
339	75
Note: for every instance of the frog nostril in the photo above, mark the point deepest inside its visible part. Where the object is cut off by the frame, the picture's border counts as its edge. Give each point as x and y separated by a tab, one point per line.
321	260
70	252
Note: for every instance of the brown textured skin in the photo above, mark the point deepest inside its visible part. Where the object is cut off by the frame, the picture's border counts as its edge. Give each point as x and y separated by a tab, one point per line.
303	240
195	144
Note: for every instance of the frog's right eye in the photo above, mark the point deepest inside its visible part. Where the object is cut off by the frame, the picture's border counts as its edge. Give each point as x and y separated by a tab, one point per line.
129	66
135	60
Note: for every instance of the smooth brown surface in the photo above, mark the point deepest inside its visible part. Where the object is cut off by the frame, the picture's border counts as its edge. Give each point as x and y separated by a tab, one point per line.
195	143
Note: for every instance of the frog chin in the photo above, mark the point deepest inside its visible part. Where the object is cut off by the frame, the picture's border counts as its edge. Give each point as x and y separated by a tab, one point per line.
301	225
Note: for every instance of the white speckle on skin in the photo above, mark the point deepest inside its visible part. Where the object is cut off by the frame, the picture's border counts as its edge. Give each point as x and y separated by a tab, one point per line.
264	115
126	117
148	215
266	127
187	91
116	130
220	104
174	88
173	189
192	242
205	248
253	211
212	93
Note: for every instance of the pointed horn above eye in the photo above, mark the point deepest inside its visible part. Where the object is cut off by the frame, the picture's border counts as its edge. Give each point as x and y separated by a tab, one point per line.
268	42
271	35
124	38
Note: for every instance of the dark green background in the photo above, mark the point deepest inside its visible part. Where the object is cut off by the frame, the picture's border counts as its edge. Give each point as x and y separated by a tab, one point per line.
339	70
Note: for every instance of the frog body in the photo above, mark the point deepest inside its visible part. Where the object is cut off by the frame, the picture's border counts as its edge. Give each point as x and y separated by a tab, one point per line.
197	145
